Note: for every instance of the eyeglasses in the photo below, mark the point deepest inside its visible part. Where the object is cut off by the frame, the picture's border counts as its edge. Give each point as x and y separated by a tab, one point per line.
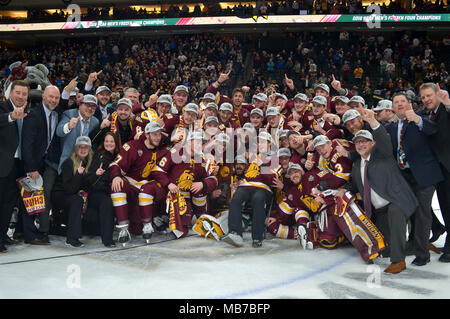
361	141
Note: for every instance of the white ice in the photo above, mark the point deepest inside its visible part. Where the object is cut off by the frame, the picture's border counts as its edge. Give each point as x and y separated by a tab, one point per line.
195	267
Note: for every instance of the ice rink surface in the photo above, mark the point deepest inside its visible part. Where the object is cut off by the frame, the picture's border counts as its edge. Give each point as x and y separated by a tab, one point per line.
199	268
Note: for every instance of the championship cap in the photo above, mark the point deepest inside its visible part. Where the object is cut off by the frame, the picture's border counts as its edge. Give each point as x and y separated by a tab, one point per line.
284	152
222	138
195	136
350	115
249	126
272	111
362	133
226	107
320	140
211	119
181	88
101	89
260	97
73	93
257	111
89	98
293	166
152	127
284	133
358	99
266	136
320	100
209	96
343	99
83	140
165	98
279	95
126	102
383	105
31	185
301	96
322	86
211	104
192	107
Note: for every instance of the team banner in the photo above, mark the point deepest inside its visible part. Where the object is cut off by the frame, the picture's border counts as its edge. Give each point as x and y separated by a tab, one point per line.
229	20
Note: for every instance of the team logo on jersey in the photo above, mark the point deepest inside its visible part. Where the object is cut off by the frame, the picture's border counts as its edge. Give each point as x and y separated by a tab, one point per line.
310	178
252	171
185	180
224	171
149	167
140	152
290	197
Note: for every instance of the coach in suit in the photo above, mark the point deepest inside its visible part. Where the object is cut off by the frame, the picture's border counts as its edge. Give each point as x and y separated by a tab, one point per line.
40	154
75	123
419	166
437	109
12	113
386	194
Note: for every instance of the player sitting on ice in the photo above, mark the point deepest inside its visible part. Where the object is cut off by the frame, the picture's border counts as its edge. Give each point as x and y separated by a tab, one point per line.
131	184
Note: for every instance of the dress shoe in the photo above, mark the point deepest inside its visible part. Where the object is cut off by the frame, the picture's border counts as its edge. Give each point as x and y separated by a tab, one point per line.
445	258
435	249
36	242
395	268
17	235
3	249
9	241
256	243
111	244
43	237
419	261
437	233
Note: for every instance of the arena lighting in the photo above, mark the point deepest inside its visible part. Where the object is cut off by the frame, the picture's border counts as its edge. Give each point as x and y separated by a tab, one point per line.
227	20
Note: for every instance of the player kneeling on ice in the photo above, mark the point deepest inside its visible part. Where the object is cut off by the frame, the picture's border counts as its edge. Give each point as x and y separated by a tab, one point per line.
132	185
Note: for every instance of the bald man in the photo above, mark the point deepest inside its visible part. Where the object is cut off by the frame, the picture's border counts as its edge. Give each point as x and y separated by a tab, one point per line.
40	155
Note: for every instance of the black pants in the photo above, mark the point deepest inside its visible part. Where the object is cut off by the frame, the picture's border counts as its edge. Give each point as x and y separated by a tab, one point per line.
443	193
100	203
9	193
422	215
258	198
391	221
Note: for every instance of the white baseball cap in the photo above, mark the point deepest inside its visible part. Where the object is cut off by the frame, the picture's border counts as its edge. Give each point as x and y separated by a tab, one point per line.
383	105
320	100
101	89
363	133
152	127
191	107
272	111
89	98
350	115
257	111
284	152
322	86
126	102
226	107
301	96
320	140
358	99
83	140
165	98
181	88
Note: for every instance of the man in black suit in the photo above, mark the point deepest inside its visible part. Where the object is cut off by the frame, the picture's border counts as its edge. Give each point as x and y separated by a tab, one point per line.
376	176
419	166
40	153
12	113
437	104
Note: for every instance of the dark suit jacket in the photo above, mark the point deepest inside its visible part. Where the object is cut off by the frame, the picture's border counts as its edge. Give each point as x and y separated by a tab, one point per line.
98	113
34	141
416	144
384	174
9	134
440	142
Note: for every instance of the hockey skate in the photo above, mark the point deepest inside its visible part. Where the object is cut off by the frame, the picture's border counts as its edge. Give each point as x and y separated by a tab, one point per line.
124	234
148	232
302	236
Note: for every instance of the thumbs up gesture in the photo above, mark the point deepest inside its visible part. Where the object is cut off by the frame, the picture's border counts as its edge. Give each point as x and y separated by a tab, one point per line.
73	122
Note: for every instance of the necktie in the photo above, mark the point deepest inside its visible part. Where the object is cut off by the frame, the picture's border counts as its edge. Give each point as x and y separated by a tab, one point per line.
49	137
19	149
85	131
367	198
401	151
432	116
